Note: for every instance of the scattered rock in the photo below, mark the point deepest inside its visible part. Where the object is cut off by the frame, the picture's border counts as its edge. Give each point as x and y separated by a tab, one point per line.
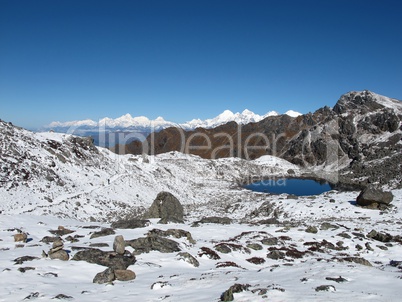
256	260
373	197
213	219
49	239
211	254
357	260
276	255
382	237
124	275
230	247
21	260
255	246
160	284
326	226
227	264
60	254
368	246
24	269
32	296
63	297
268	221
119	245
21	237
167	207
106	276
311	229
187	257
103	232
61	231
131	224
236	288
270	241
176	233
326	288
338	280
109	259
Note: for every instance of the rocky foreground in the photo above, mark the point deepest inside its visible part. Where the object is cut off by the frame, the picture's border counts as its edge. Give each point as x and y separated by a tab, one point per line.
278	249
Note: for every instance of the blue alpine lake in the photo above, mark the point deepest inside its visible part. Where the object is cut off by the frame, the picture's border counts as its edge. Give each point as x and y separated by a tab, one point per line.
294	186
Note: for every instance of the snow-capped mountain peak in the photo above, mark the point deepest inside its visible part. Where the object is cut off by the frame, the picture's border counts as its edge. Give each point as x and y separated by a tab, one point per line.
127	121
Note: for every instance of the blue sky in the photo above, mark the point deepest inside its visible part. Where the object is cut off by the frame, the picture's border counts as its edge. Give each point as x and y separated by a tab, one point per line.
71	60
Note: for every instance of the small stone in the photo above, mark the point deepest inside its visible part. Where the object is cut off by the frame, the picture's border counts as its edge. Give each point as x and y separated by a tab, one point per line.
119	245
63	297
312	229
325	288
22	237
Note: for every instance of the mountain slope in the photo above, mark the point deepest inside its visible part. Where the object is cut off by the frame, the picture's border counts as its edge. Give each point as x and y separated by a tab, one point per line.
362	132
65	175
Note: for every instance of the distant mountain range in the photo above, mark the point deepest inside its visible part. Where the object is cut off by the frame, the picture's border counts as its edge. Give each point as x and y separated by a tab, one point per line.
142	123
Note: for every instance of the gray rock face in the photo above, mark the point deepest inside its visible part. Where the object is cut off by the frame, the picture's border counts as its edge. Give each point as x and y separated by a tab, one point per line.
119	245
372	197
109	259
167	207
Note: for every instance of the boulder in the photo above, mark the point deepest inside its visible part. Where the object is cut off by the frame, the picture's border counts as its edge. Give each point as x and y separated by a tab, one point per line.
167	207
153	243
59	254
106	276
124	275
119	245
109	259
373	197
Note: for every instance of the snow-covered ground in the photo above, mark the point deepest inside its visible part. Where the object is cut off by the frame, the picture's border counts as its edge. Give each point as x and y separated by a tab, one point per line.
163	277
48	180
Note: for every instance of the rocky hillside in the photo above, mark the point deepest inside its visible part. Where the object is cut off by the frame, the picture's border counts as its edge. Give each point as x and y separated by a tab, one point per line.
67	176
360	137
